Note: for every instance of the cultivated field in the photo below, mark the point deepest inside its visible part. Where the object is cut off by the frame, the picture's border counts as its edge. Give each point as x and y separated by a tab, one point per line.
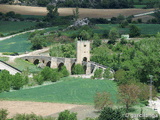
7	27
68	90
92	13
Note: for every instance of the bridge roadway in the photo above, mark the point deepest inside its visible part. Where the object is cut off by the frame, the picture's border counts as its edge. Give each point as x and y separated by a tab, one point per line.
12	70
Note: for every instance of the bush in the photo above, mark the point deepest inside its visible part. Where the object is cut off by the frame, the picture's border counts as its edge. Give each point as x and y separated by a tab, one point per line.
17	81
64	71
78	69
107	74
134	31
66	115
39	79
98	73
113	35
3	114
1	35
112	114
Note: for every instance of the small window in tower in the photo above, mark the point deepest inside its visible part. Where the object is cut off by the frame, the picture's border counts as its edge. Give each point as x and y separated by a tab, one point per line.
84	45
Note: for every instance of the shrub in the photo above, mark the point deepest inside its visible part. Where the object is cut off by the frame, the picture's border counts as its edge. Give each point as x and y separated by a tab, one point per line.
78	69
17	81
111	114
134	31
3	114
107	74
38	78
113	35
64	71
98	73
66	115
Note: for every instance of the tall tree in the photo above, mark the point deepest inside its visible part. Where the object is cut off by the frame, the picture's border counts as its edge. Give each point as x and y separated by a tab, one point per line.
128	95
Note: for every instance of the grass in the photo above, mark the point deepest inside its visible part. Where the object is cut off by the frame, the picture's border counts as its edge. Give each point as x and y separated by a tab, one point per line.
18	43
4	59
23	65
145	28
7	27
68	90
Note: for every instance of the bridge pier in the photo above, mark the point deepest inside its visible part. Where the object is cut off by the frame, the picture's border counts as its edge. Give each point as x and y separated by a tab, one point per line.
68	65
54	63
88	69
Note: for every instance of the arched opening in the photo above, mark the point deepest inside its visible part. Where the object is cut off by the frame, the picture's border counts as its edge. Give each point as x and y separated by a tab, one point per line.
43	61
36	62
72	68
85	59
48	64
60	66
26	60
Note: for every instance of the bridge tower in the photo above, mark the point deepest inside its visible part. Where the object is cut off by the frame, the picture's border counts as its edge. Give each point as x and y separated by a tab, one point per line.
83	54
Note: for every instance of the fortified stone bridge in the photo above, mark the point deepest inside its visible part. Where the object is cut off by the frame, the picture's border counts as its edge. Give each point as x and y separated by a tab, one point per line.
57	62
83	58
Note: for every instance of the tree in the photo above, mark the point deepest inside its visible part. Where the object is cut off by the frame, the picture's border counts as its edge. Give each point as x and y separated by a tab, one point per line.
78	69
134	31
113	35
112	114
76	13
128	95
102	100
107	73
46	73
3	114
64	71
17	81
39	79
68	50
96	40
52	12
98	73
5	80
84	35
38	42
66	115
120	76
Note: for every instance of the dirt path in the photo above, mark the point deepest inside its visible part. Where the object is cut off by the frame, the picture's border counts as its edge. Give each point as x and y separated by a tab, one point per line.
46	109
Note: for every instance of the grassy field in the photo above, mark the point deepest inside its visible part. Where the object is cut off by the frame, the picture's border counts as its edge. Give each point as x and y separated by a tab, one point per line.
83	12
145	28
7	27
23	65
69	90
18	43
4	59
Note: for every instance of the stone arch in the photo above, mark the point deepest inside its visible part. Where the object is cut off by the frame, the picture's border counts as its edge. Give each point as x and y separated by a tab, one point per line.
85	59
60	66
48	64
72	68
36	62
26	60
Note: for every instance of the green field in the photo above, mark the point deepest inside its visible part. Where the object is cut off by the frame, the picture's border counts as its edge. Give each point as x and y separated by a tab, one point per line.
145	28
68	90
23	65
18	43
7	27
